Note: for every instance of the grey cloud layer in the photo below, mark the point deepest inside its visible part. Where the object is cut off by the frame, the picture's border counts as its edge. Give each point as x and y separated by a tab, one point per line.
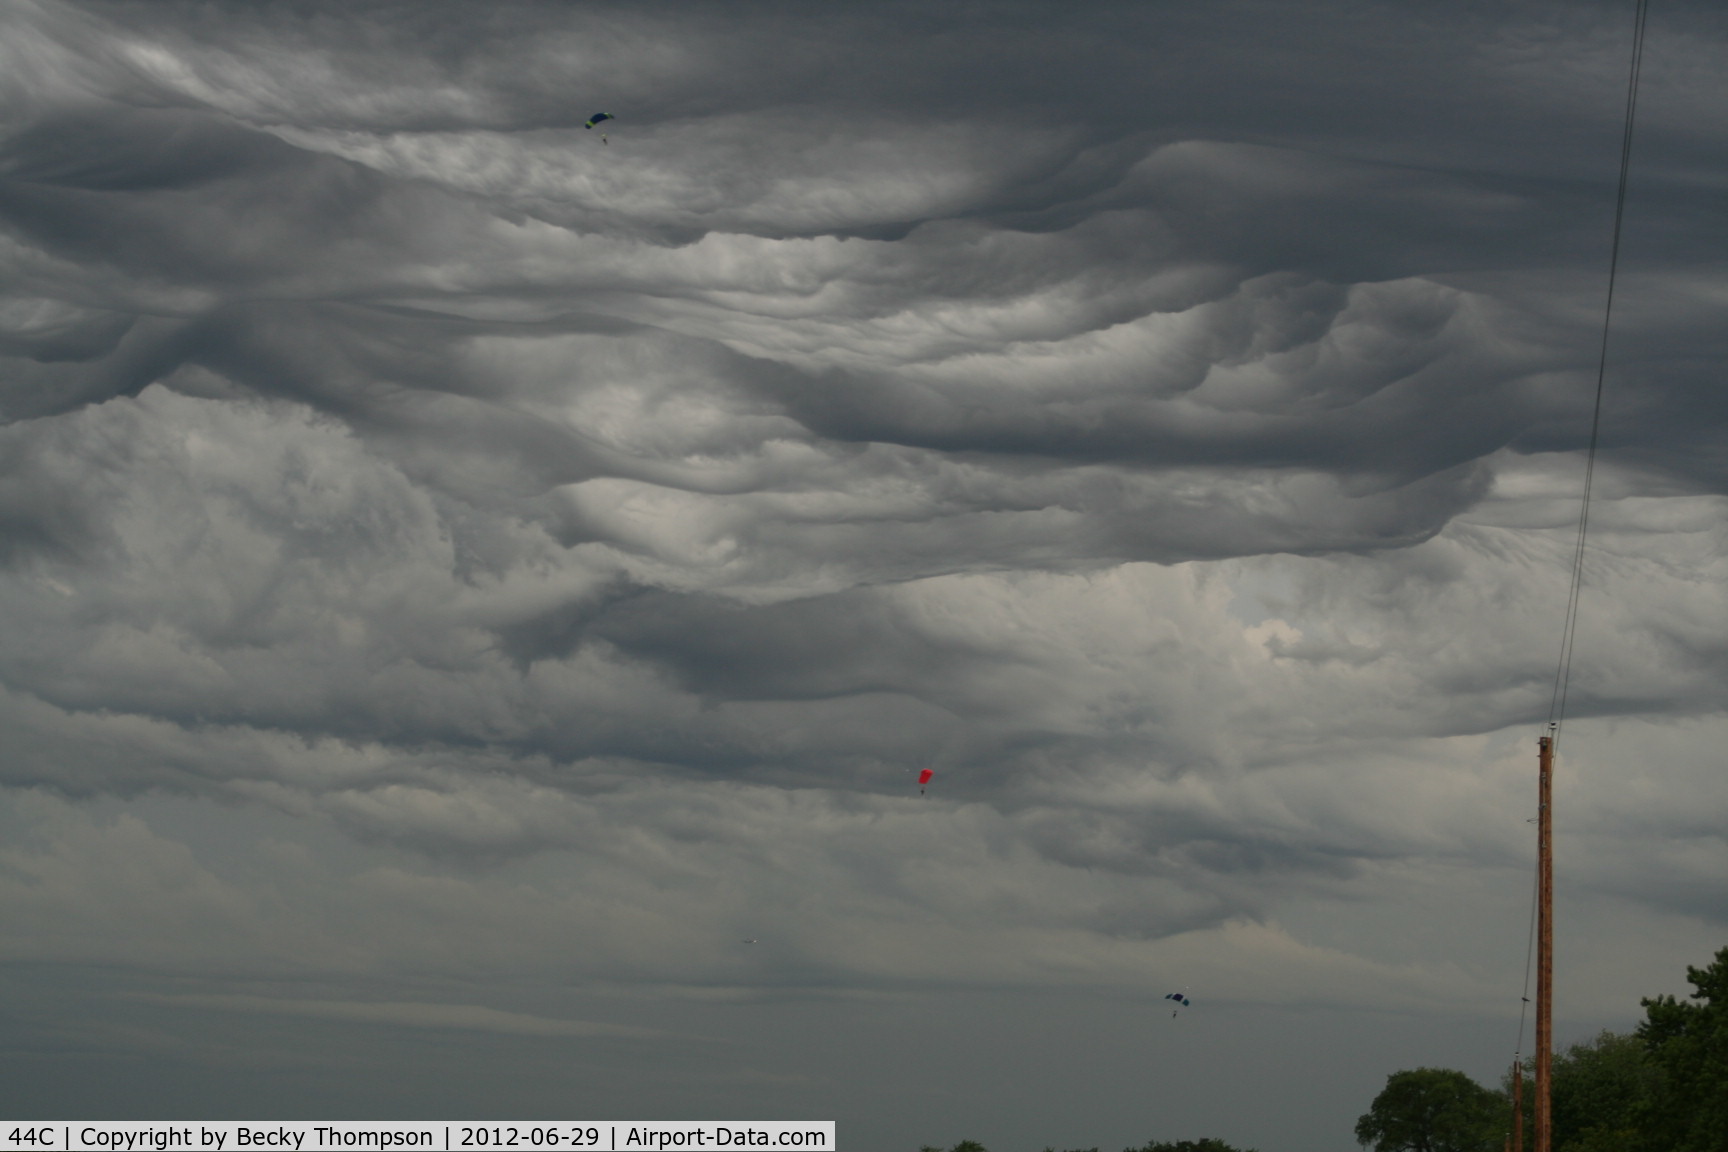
1165	424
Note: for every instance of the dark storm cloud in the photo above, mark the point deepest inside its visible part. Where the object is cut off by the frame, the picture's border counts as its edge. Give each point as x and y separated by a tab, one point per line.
437	542
1099	336
1231	204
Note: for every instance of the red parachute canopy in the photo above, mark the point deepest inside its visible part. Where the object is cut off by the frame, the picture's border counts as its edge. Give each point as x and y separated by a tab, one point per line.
924	779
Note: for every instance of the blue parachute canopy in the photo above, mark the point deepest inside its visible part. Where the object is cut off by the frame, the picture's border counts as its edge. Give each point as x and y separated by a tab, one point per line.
1179	998
596	118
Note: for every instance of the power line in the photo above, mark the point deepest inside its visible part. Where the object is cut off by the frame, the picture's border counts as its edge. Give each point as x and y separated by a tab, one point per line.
1563	673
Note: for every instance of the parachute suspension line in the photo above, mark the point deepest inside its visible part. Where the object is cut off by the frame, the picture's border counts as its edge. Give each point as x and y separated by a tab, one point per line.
1563	673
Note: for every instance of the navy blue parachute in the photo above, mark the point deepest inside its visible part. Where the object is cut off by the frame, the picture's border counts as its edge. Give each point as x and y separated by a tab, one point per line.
597	117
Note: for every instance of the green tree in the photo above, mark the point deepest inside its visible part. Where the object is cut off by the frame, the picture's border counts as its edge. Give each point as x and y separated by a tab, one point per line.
1433	1110
1206	1145
1687	1045
1598	1090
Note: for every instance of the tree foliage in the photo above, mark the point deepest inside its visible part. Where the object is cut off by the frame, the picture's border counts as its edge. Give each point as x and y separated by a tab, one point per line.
1433	1110
1208	1144
1598	1090
1663	1088
1687	1046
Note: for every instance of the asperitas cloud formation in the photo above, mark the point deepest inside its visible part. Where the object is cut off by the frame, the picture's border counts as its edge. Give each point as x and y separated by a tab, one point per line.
460	578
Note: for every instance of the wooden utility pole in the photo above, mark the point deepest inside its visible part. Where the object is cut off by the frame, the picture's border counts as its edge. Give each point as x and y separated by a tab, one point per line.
1517	1138
1544	940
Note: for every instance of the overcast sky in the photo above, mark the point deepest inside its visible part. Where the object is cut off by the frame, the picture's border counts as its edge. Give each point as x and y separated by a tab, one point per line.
461	580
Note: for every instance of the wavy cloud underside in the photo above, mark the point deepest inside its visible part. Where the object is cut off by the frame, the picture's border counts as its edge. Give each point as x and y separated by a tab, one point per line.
438	545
